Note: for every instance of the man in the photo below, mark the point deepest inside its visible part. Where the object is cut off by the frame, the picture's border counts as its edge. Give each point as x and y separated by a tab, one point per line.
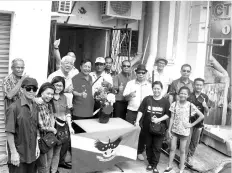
119	84
159	74
108	68
99	76
200	100
12	83
74	71
136	90
67	63
182	81
21	130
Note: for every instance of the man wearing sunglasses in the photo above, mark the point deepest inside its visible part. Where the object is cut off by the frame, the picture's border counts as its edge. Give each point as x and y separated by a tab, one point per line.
12	83
21	130
182	81
136	90
119	84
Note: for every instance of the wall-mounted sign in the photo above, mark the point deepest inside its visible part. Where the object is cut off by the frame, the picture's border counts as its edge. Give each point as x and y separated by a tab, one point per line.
220	24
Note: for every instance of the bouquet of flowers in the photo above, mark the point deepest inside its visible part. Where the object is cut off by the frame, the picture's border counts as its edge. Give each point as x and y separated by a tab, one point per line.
105	96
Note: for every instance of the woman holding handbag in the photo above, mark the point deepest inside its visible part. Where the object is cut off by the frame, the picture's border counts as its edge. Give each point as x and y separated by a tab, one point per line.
155	110
62	122
46	129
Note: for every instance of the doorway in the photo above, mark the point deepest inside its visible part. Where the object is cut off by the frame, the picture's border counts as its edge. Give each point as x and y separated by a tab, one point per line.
84	42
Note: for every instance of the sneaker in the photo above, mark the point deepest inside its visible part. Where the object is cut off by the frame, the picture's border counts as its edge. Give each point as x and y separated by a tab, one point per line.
149	168
140	157
168	169
189	161
155	170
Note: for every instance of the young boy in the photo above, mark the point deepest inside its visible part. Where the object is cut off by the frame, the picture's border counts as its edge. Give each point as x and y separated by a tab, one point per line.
200	100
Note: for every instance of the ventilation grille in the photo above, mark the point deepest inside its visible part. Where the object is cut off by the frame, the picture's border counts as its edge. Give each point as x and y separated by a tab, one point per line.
122	8
103	7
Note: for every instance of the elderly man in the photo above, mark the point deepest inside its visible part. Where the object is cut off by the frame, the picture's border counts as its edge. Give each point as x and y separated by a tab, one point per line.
119	84
159	74
182	81
99	76
21	130
136	90
12	83
67	63
108	68
56	51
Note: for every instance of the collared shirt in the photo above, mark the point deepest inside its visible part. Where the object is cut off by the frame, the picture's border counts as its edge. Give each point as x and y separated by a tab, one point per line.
9	83
178	83
195	100
73	72
82	107
61	107
111	72
142	90
68	82
22	122
45	116
121	80
97	83
164	78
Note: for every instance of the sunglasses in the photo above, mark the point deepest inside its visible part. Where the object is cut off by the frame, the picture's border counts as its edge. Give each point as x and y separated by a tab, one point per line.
29	88
126	66
99	64
188	71
140	72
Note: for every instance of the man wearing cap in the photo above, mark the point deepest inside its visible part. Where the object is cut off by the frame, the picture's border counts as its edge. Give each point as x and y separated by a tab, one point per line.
99	76
159	74
67	63
12	83
21	130
136	90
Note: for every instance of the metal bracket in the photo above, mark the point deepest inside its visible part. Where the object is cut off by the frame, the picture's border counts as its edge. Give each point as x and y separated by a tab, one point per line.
222	44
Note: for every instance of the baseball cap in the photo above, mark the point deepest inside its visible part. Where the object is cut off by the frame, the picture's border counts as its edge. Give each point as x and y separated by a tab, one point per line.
28	81
100	60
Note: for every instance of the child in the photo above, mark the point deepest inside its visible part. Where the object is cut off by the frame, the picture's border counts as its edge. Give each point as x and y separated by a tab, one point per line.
179	126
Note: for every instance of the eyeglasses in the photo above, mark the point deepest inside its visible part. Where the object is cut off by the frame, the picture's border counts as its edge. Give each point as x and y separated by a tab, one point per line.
99	64
126	66
188	71
140	72
29	88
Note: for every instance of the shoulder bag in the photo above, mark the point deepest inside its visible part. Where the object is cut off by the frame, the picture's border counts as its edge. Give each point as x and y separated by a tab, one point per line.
156	128
62	134
47	142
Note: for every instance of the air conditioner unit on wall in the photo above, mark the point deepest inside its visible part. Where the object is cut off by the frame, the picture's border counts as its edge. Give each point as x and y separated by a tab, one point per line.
62	7
121	9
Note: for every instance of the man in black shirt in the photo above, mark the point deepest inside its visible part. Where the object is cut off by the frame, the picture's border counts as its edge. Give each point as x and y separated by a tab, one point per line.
200	100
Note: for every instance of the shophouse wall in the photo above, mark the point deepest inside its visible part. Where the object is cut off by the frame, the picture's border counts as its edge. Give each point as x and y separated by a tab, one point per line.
29	34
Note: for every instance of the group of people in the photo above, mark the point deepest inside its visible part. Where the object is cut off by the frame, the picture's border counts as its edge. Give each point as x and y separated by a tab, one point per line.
141	98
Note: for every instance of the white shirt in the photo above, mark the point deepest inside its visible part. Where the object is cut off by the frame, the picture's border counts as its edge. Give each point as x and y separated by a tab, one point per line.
102	77
164	78
68	82
142	90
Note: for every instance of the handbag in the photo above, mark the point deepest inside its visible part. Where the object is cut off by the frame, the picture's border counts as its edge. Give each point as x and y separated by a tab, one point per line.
47	142
62	131
156	128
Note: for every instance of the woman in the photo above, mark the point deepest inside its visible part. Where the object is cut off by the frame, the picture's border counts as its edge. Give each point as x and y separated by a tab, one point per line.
46	124
179	126
62	120
154	109
83	101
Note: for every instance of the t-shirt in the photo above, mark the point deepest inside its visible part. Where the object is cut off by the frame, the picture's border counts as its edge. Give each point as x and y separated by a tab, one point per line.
159	108
181	117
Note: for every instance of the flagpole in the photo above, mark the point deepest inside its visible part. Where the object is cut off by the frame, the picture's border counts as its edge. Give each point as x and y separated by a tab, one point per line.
145	50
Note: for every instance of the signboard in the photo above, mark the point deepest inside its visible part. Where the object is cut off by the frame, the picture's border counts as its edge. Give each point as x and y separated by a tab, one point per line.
220	24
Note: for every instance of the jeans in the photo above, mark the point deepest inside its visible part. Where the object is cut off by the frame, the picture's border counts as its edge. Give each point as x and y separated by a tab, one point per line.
153	148
50	160
193	141
120	109
131	118
23	168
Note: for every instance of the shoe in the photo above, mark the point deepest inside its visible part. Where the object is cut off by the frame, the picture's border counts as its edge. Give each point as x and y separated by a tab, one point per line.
140	157
155	170
168	169
65	166
149	167
189	161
